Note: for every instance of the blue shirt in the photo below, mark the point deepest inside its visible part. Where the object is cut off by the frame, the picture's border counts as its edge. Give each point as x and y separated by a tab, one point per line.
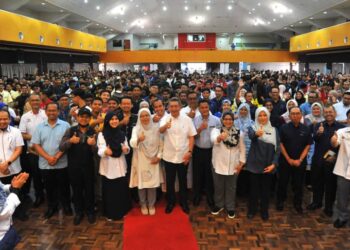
202	140
306	108
49	139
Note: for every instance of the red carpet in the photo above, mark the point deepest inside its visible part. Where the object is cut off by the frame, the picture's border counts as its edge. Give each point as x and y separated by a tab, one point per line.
158	232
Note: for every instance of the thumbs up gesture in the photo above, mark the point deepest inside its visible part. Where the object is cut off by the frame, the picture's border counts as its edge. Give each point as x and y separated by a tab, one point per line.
192	114
142	137
259	132
91	141
74	139
320	129
223	136
168	124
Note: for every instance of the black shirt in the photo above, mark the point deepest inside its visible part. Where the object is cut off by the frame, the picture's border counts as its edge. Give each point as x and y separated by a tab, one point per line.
279	108
323	141
294	140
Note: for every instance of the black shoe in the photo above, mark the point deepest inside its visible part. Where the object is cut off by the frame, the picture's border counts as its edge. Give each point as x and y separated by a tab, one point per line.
313	206
67	211
185	208
279	206
38	201
50	212
216	210
264	216
91	218
298	209
250	215
340	223
78	218
231	214
196	201
169	208
328	212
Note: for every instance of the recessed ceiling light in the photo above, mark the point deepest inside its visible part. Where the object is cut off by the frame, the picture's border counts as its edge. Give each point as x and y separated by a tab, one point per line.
97	7
197	19
285	28
300	22
120	9
325	12
258	21
105	27
86	1
145	13
281	16
207	7
253	9
87	21
311	18
137	6
61	10
186	7
97	24
274	19
229	7
249	13
165	8
126	31
122	21
111	29
291	25
159	26
259	4
268	22
43	3
279	8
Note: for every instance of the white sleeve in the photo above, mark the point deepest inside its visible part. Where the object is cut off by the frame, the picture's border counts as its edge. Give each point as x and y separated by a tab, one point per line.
242	149
12	202
214	135
101	144
133	140
23	125
126	144
19	139
192	129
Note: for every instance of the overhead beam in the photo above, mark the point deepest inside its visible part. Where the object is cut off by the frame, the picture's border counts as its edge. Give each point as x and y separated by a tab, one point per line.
13	5
343	12
54	17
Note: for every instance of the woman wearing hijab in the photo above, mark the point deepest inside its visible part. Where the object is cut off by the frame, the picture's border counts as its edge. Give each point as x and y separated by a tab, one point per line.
261	162
112	146
228	159
243	122
299	97
145	167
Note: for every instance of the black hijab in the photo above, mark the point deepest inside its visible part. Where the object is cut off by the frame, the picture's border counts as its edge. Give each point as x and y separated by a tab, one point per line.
114	136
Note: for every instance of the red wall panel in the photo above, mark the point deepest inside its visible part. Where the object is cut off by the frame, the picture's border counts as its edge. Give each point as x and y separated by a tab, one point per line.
210	42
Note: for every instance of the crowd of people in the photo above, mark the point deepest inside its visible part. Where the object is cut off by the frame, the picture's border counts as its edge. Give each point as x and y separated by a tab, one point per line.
126	137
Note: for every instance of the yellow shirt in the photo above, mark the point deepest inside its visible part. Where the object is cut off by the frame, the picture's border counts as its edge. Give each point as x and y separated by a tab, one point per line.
98	128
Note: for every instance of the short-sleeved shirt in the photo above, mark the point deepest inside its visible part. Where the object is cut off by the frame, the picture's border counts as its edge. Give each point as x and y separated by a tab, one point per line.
341	110
176	140
202	140
29	122
10	138
49	139
295	139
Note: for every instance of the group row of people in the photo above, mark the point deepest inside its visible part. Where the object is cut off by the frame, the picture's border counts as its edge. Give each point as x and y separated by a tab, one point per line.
129	134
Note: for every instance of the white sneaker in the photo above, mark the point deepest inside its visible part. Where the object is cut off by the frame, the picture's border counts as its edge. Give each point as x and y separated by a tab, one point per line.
152	210
144	210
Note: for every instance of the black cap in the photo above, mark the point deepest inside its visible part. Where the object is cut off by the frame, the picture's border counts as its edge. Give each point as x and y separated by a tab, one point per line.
84	111
79	92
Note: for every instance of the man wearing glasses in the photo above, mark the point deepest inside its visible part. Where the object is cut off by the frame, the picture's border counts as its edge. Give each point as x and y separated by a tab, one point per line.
306	107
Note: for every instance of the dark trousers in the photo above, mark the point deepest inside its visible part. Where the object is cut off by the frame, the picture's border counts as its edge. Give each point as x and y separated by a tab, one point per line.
10	239
324	183
260	188
56	184
82	182
285	173
202	173
34	172
25	165
171	169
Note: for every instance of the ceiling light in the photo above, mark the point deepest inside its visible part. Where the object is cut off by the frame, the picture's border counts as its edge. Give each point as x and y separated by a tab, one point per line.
300	22
120	10
253	9
61	10
137	6
122	21
292	25
311	18
165	8
138	22
279	8
145	13
86	1
285	28
97	24
268	22
43	3
159	26
185	1
325	12
126	31
186	7
281	16
258	21
249	13
197	19
274	19
207	7
87	21
105	27
259	4
229	7
97	7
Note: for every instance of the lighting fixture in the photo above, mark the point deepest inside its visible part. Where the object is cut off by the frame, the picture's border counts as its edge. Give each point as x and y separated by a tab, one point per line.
43	3
197	19
300	22
120	10
207	7
279	8
86	1
165	8
229	7
258	21
325	12
186	7
97	7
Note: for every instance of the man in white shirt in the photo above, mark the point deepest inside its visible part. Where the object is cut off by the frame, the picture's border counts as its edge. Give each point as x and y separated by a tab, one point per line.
342	169
29	122
342	107
179	133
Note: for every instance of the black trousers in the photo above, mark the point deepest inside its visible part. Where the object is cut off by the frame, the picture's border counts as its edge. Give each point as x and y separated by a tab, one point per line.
260	189
296	174
82	182
34	172
202	173
25	168
324	183
171	169
56	184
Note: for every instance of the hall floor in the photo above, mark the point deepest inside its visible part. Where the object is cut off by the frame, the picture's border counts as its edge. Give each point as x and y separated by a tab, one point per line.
284	230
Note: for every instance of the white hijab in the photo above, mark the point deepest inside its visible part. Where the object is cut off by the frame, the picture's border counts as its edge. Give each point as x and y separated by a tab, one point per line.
150	145
269	135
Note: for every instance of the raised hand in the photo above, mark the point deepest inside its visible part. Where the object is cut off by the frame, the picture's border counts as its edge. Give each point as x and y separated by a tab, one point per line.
192	114
320	129
223	136
19	180
142	137
259	132
74	139
91	141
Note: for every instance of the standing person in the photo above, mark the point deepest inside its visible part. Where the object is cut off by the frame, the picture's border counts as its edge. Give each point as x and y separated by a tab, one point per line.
28	124
295	144
112	147
341	139
63	102
159	111
279	107
262	161
202	154
306	106
342	108
52	162
228	159
79	144
79	102
191	110
216	103
145	170
324	182
179	133
10	150
243	122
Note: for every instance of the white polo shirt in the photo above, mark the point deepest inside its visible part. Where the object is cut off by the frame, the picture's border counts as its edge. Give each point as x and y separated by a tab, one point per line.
342	166
341	110
176	137
10	138
29	122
